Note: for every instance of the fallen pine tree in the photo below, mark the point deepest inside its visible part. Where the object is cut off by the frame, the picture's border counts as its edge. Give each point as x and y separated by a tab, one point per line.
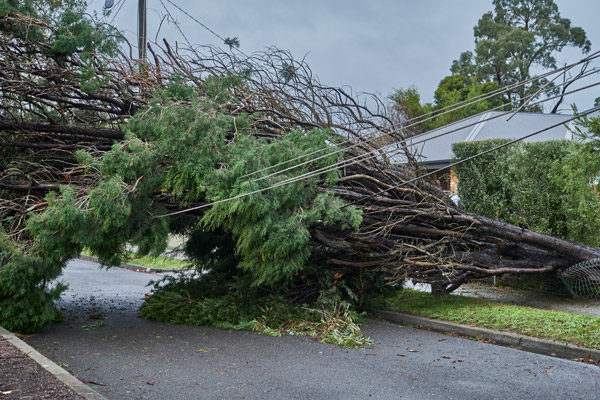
281	185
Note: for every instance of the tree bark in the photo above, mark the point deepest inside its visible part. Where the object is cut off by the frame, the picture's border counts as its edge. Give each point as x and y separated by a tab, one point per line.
115	134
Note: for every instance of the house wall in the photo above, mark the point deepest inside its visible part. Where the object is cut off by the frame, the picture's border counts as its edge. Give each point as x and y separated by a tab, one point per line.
453	181
443	178
448	180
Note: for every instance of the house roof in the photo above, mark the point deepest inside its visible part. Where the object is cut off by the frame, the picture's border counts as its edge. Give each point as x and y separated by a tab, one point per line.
434	149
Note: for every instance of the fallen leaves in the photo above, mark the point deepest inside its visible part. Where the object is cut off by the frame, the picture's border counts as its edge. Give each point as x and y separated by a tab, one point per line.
206	349
588	360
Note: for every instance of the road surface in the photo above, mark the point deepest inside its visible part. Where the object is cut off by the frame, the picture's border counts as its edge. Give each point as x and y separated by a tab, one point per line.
126	357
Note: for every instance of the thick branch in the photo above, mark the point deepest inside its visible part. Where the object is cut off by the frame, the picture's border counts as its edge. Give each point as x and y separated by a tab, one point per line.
69	129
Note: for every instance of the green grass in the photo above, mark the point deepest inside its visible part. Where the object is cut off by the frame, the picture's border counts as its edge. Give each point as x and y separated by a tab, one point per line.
578	329
159	262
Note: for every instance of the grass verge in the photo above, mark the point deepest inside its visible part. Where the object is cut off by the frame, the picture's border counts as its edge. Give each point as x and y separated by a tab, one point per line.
159	262
581	330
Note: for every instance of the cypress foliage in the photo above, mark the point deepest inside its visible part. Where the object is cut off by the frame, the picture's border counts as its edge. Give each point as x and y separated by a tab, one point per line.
185	131
26	300
185	146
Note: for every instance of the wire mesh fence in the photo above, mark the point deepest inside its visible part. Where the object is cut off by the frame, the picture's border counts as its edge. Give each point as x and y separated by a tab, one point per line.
583	279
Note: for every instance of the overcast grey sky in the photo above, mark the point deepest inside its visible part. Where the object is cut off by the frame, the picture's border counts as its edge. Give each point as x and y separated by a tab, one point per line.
370	45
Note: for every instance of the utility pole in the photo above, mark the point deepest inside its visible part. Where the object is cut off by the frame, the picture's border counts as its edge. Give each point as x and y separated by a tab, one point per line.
142	29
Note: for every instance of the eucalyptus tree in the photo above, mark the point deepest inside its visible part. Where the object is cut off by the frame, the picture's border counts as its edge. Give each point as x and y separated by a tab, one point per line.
514	39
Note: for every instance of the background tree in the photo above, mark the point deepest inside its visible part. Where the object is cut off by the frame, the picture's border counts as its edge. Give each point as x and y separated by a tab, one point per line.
409	111
582	169
547	187
510	42
452	90
515	38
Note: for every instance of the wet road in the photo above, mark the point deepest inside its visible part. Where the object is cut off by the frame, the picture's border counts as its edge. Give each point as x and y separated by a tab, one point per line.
126	357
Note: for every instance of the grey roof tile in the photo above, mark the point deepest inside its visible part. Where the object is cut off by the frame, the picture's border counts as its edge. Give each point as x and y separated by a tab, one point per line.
435	147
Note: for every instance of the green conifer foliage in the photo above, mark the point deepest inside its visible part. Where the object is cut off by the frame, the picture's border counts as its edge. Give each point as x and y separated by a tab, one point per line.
187	146
203	164
67	28
26	299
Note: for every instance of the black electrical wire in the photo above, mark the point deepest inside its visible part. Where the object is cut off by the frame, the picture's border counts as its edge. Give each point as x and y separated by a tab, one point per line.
589	111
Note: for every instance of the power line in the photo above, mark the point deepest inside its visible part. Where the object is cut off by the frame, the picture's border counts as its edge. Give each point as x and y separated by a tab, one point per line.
412	142
433	114
356	160
224	40
365	156
589	111
429	116
393	127
373	154
193	18
121	3
369	156
177	26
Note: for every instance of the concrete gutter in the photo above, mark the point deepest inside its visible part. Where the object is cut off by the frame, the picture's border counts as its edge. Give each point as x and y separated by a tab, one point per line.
75	384
522	342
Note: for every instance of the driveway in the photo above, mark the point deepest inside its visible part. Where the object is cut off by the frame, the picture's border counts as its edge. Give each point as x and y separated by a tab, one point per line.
126	357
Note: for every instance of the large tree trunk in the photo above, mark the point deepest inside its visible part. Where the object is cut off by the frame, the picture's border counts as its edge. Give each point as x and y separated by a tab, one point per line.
435	242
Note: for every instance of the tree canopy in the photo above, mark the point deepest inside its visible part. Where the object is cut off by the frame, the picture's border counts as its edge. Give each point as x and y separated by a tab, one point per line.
516	37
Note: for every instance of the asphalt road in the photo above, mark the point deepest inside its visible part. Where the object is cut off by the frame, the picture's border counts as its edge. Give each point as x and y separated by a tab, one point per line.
126	357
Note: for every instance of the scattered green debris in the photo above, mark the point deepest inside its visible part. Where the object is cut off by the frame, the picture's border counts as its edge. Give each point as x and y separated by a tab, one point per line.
98	317
337	326
190	301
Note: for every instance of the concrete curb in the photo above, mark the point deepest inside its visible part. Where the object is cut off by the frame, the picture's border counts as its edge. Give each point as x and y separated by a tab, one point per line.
133	267
75	384
522	342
